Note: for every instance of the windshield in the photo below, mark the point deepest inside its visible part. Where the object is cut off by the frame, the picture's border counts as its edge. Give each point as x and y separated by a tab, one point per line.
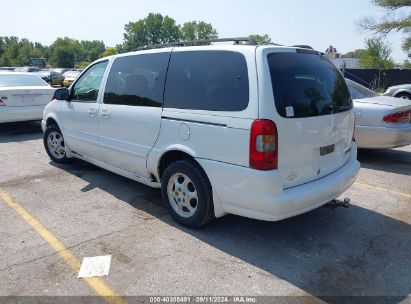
306	84
21	81
358	91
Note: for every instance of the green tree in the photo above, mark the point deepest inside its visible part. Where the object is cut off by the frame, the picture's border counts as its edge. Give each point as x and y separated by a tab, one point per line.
82	65
16	52
64	52
154	29
397	18
109	52
197	30
376	55
406	64
91	50
262	38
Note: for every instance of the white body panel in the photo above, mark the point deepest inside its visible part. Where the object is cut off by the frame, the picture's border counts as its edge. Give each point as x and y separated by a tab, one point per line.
131	141
127	135
259	194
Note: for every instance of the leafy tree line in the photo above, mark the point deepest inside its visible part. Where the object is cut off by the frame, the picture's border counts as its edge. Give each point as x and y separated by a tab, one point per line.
398	19
159	29
68	52
64	52
375	55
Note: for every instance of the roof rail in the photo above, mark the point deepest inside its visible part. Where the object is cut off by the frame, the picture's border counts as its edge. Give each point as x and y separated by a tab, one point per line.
303	46
248	40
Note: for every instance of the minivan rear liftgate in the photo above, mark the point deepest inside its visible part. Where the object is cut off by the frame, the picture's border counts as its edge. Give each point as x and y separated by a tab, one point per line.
315	119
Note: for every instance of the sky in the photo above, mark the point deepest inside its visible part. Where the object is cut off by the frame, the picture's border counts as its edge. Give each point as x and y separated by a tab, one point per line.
318	23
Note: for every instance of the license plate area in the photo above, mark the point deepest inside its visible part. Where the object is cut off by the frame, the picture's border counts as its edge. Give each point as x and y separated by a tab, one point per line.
327	150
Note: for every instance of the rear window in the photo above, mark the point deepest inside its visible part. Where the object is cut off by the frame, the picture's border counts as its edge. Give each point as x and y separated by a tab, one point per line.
21	81
207	80
306	85
358	91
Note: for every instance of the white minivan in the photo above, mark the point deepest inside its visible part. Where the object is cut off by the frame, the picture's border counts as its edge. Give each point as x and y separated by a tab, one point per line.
260	131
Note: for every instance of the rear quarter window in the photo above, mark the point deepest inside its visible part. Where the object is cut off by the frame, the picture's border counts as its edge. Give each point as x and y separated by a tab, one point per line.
307	84
207	80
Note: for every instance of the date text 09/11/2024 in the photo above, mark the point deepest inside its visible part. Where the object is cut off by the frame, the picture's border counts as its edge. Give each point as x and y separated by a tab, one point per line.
203	299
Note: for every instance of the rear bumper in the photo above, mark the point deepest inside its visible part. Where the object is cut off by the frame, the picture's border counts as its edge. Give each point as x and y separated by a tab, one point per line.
259	195
14	114
382	137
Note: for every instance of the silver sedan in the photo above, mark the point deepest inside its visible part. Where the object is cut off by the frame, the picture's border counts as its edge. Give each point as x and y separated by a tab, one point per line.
381	121
401	91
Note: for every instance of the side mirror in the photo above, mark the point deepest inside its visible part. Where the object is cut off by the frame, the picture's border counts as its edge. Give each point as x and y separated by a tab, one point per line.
61	94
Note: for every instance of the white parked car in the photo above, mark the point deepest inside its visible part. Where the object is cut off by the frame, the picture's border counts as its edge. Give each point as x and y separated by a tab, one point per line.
23	97
264	132
381	121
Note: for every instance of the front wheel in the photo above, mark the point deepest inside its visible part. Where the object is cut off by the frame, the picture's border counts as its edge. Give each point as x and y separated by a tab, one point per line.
54	144
187	194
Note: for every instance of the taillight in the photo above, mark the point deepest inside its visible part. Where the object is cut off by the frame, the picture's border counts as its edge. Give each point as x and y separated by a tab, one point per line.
264	145
399	117
2	102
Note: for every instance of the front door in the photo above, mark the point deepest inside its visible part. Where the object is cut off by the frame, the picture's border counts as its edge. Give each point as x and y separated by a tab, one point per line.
80	116
130	113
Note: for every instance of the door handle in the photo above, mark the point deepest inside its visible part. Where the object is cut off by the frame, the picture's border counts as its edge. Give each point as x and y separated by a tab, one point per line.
105	113
92	112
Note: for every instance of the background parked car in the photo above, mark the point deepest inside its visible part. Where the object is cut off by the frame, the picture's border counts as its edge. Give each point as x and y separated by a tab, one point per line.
27	69
23	97
401	91
6	69
51	77
62	70
381	121
69	77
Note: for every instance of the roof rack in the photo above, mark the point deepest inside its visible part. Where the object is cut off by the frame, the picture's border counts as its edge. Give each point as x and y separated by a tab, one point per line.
248	40
303	46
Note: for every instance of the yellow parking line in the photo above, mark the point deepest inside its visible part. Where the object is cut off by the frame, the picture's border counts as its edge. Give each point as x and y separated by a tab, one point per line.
384	189
97	284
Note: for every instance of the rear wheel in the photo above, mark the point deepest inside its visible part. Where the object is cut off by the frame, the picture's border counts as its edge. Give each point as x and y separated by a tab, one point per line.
187	194
404	95
54	144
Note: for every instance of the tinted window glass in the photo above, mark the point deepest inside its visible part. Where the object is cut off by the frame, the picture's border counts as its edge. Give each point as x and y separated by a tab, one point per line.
358	91
87	87
307	84
21	80
137	80
208	80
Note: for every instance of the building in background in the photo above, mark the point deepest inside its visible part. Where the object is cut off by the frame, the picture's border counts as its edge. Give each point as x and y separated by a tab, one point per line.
341	61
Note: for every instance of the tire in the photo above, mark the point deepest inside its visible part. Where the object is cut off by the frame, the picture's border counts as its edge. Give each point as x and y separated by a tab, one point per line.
53	141
403	95
187	194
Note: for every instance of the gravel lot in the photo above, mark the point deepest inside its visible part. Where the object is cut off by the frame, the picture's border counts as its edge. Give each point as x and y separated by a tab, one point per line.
361	251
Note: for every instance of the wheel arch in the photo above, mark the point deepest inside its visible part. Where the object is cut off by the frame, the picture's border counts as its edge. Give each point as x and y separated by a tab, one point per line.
402	91
172	155
177	153
52	120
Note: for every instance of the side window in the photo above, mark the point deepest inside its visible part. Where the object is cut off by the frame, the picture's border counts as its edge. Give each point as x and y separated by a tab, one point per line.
87	87
137	80
207	80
